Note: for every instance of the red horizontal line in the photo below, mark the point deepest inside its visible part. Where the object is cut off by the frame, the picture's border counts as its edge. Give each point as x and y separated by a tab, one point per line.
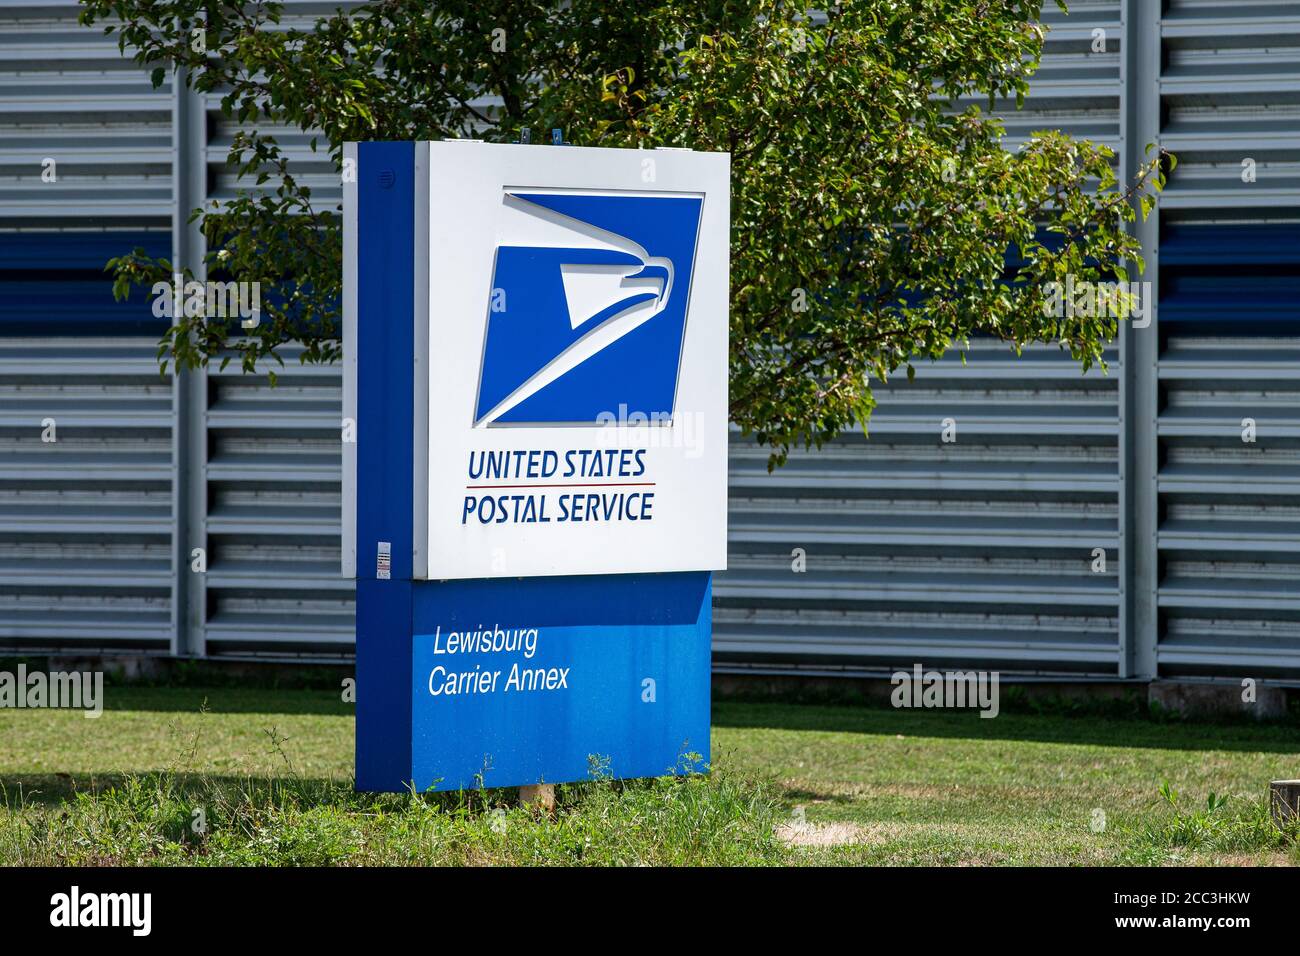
607	484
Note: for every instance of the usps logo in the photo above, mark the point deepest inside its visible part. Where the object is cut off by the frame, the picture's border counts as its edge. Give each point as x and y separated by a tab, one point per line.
589	320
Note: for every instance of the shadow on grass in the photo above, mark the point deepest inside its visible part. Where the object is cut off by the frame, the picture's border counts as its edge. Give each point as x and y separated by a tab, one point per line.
53	789
1065	728
56	789
226	700
1050	727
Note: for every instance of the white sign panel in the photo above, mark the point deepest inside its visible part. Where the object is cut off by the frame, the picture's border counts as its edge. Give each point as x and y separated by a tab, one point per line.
576	337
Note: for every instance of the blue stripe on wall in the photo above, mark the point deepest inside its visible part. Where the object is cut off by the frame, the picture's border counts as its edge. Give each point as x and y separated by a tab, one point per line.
54	284
1230	279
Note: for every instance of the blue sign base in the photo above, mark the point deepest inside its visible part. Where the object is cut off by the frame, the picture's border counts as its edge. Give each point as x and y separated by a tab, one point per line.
533	680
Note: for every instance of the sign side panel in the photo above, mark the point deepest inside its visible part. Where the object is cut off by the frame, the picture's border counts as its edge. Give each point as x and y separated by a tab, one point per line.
383	725
385	390
385	251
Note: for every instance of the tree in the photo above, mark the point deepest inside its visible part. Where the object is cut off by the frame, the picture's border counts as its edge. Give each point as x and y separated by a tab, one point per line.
874	206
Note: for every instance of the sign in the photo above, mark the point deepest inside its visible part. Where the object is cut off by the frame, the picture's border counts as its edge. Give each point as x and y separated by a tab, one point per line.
535	349
577	379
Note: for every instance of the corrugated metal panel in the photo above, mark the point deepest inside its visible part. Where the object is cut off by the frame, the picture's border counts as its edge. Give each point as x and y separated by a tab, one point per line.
917	549
979	551
310	167
274	480
1230	89
67	94
1229	535
274	473
1077	87
86	519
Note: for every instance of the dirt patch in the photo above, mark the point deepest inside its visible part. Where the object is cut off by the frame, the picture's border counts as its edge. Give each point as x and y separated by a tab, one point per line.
827	834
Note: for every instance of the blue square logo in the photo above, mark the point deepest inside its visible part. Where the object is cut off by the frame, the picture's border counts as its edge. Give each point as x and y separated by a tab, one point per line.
590	329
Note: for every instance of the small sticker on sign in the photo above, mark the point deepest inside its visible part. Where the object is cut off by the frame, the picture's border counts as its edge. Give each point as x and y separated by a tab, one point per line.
384	561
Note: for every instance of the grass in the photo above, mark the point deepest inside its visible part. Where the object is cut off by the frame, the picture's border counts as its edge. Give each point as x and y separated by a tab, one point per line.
949	788
239	776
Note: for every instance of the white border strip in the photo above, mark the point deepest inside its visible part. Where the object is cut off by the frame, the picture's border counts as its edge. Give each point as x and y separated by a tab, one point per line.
420	418
350	358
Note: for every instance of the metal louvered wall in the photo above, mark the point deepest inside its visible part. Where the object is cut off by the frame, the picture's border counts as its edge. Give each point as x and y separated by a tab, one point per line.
67	94
87	424
274	497
271	508
1229	508
978	551
975	551
85	495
